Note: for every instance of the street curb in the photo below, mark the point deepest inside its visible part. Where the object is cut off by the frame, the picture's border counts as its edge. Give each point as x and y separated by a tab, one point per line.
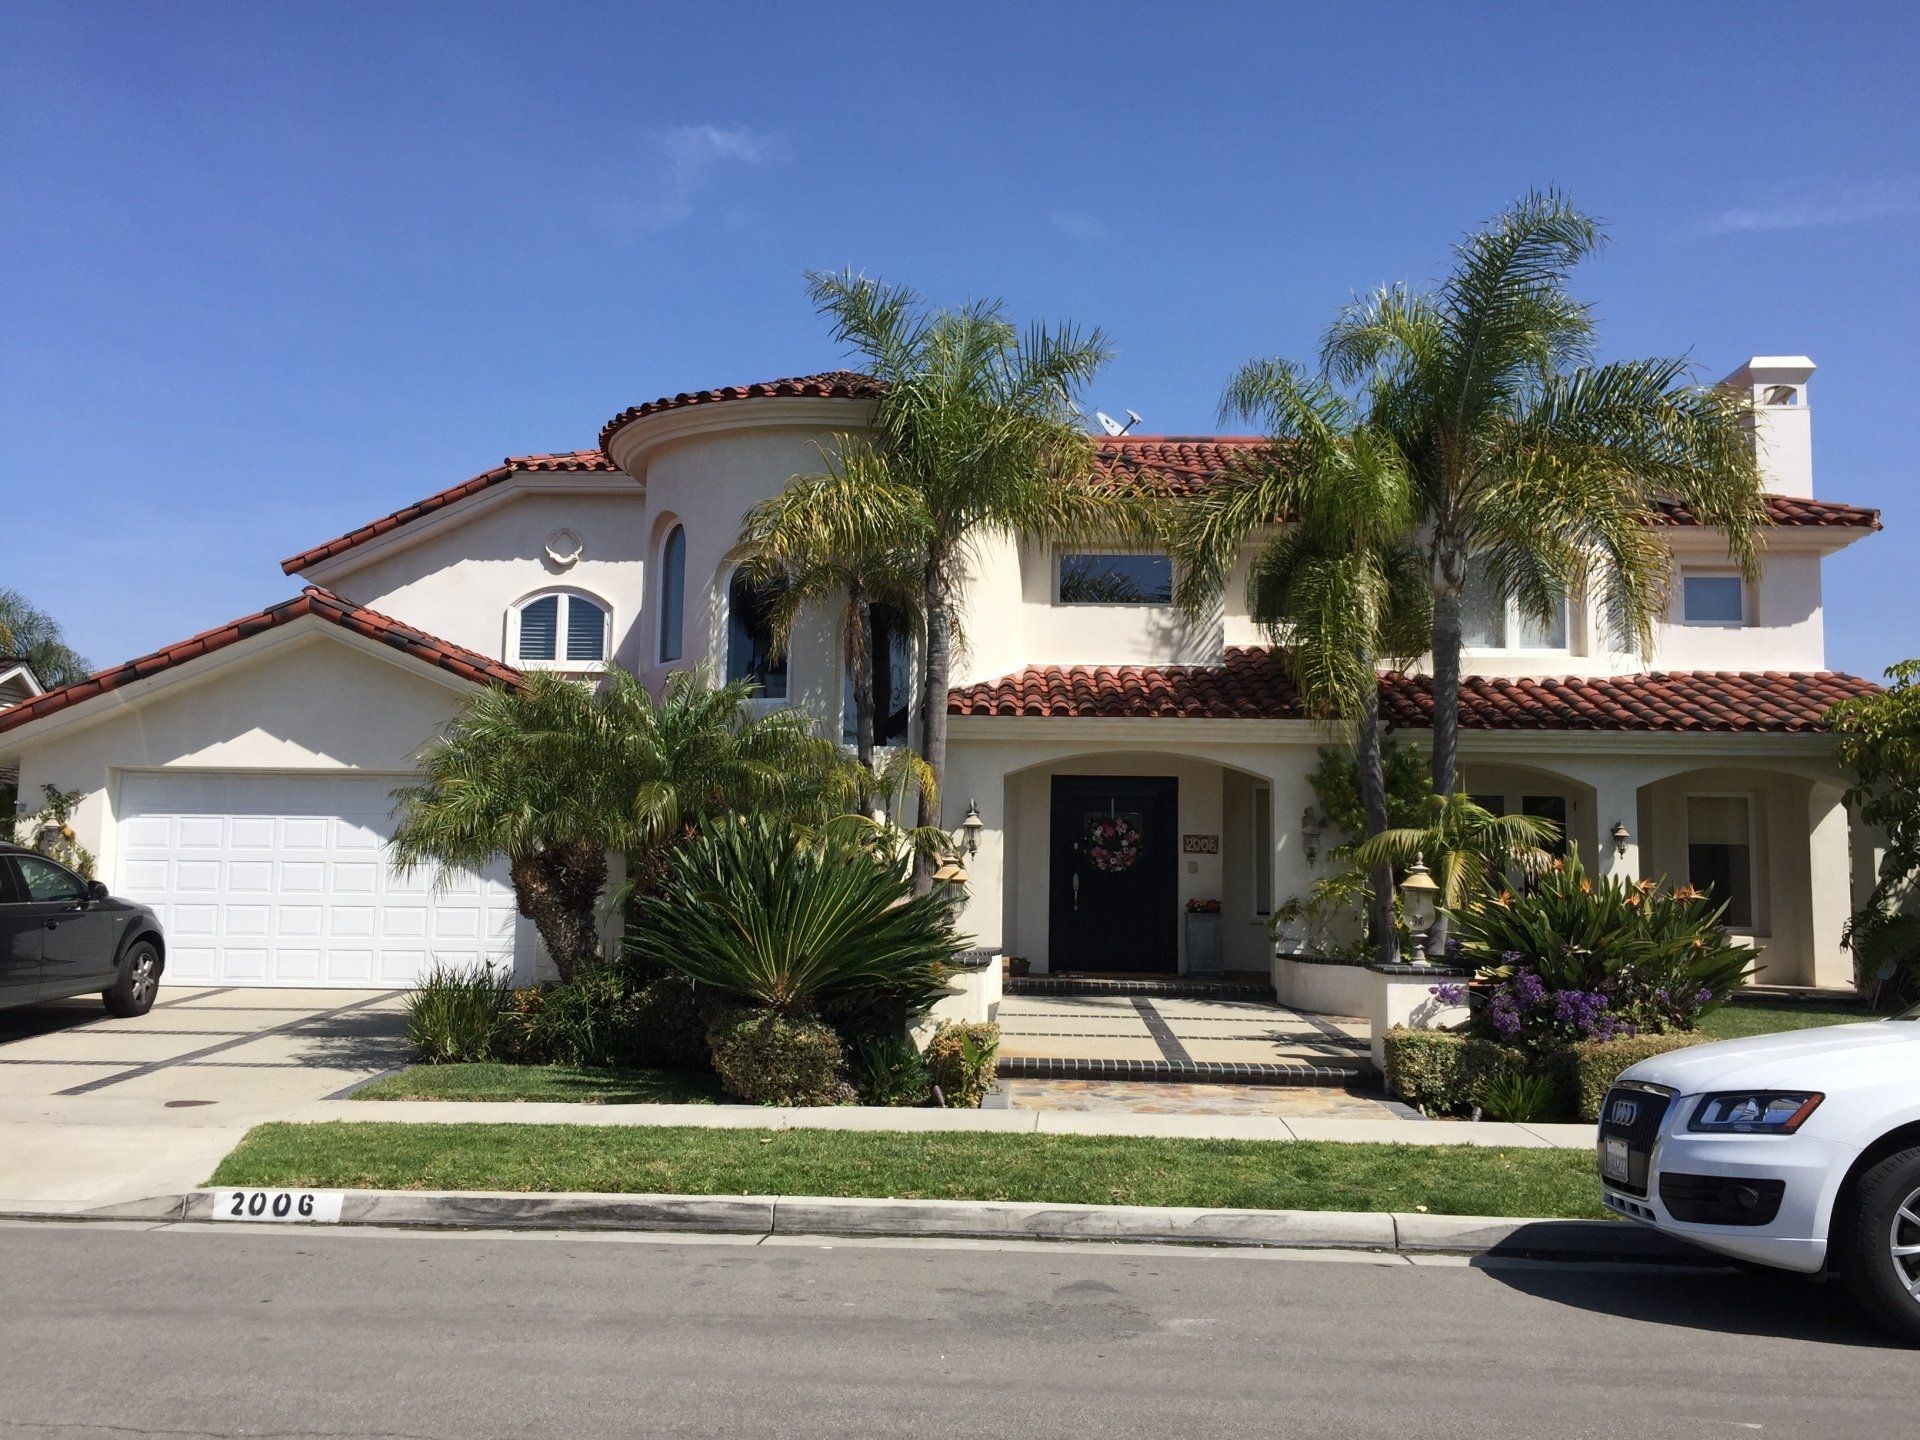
1386	1232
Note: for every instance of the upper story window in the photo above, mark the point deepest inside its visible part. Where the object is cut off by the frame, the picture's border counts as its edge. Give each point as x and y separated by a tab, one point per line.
1709	597
559	629
1093	579
673	594
1489	621
750	638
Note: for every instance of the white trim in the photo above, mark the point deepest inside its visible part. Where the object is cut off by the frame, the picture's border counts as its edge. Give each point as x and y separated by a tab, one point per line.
23	671
566	594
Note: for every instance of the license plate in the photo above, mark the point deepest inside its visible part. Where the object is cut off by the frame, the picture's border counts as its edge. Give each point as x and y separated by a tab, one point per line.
1614	1160
300	1207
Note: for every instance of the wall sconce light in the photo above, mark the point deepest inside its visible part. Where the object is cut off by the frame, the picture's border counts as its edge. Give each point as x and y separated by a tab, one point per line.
967	837
1418	893
1310	830
1621	836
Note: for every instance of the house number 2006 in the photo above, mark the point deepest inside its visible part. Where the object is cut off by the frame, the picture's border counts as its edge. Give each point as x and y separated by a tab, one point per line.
312	1206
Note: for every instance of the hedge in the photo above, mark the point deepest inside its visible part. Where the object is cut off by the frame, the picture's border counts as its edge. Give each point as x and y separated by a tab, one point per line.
768	1059
1441	1070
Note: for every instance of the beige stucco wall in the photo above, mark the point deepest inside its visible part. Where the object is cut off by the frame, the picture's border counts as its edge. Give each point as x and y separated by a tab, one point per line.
301	699
459	580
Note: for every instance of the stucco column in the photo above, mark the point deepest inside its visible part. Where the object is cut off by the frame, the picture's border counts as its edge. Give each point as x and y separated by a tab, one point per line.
1616	799
1829	884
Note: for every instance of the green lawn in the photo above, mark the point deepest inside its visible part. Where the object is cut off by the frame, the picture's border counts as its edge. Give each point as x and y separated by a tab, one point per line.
1730	1022
1056	1169
543	1082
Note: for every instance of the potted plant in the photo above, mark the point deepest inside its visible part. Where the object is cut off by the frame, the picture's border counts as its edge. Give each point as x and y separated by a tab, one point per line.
1203	937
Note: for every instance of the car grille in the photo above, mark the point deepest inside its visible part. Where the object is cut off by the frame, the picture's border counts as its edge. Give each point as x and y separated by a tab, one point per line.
1633	1113
1721	1199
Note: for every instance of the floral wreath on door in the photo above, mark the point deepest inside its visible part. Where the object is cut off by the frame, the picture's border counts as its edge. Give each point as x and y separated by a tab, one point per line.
1112	843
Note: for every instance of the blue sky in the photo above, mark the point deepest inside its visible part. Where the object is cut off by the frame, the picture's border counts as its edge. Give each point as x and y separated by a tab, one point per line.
274	270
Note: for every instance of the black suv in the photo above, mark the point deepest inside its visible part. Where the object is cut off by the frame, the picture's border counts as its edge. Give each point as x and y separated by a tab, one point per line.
61	935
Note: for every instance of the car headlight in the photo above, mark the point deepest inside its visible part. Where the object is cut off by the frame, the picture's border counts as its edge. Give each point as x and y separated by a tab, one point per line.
1754	1112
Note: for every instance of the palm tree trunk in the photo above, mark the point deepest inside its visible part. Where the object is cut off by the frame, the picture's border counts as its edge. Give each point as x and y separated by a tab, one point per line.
860	659
933	701
1373	801
559	890
1446	709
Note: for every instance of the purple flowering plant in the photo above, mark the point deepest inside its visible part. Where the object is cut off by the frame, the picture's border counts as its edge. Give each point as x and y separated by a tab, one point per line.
1573	957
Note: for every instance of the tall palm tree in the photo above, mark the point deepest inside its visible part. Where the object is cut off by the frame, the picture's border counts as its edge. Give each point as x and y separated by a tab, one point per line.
1337	581
978	421
1531	459
850	535
555	775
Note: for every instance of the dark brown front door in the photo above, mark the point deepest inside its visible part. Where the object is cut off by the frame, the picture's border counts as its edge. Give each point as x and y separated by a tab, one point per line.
1114	877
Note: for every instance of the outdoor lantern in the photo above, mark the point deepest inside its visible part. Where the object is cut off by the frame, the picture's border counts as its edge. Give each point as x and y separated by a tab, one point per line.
951	872
1310	833
967	837
1418	893
1621	836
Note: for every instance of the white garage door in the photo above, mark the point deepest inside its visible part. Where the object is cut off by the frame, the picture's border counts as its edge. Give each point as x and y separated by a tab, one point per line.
283	880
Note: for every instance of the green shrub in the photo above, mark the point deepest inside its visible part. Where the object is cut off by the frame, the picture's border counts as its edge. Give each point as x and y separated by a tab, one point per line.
1598	1063
960	1059
1439	1071
799	923
766	1058
453	1016
670	1023
887	1070
1519	1095
1574	958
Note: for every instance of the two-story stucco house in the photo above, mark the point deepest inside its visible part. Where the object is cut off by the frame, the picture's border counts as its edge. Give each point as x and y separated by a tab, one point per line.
239	780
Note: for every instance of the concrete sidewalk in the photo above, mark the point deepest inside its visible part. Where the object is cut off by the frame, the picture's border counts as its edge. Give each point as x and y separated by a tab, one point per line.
1010	1122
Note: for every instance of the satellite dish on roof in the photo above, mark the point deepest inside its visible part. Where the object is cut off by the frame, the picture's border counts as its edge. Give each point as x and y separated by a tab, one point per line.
1114	427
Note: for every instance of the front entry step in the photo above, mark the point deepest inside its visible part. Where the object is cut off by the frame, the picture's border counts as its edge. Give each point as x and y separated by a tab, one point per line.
1165	987
1351	1075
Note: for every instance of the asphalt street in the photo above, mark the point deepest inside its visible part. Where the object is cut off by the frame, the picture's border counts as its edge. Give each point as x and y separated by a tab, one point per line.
231	1331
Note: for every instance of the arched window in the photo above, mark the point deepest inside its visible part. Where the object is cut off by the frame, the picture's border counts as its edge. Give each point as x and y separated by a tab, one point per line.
673	594
560	628
750	638
890	652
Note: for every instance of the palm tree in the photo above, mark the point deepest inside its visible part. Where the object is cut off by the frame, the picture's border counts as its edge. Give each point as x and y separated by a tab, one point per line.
1336	582
34	636
979	422
1466	846
1530	459
848	534
555	776
520	773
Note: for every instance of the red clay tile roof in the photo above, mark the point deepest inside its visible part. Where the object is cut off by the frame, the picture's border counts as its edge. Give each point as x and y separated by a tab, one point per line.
827	385
1792	510
1253	685
569	462
1176	465
314	601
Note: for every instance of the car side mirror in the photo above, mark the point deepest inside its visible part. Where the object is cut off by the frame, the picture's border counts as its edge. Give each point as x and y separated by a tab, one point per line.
96	890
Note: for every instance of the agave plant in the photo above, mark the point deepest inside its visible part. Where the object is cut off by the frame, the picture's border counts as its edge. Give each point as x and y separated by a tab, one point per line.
797	922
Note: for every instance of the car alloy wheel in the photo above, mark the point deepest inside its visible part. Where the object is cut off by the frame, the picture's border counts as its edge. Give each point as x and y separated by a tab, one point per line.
1903	1240
141	979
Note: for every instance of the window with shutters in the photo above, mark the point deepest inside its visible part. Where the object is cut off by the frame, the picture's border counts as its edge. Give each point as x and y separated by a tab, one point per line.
559	630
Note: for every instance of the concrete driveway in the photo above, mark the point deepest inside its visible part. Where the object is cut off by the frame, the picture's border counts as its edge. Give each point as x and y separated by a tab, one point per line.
95	1111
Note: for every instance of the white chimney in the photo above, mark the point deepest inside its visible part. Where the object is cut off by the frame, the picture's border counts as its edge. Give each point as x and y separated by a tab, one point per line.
1782	427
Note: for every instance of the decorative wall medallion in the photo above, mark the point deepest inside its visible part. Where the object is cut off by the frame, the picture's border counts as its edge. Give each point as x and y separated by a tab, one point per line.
564	548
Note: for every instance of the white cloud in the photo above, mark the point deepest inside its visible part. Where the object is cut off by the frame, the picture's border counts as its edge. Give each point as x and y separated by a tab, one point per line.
1848	206
688	157
1079	226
